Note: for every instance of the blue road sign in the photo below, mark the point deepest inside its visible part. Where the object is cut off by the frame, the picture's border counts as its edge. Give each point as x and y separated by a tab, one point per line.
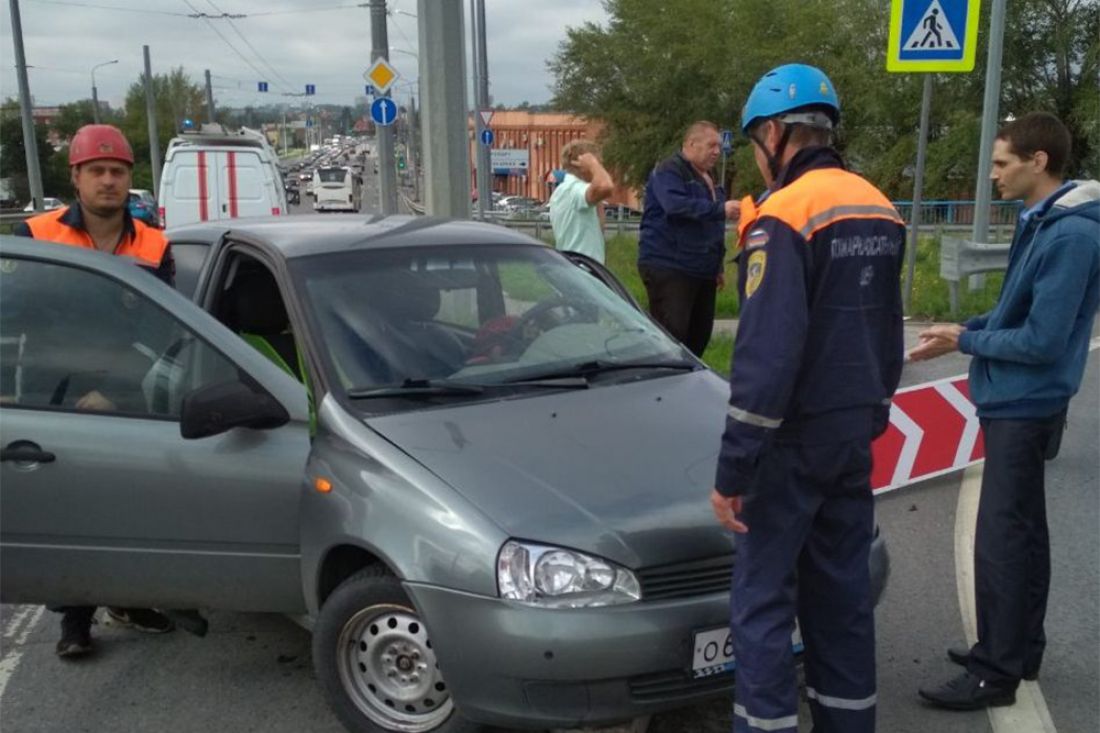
262	86
932	35
369	90
311	88
383	111
309	122
727	141
486	137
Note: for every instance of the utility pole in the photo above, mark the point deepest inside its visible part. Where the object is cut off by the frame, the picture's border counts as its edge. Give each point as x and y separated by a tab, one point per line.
30	141
484	157
990	116
414	167
387	166
918	192
209	99
151	117
443	104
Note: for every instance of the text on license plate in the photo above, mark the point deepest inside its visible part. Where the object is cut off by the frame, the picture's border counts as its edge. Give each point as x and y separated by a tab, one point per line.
713	651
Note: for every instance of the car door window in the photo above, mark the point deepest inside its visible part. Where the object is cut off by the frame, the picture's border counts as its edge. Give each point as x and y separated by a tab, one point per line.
190	257
74	339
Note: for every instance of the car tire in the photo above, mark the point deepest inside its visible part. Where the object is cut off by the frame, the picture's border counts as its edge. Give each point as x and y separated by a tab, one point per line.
374	660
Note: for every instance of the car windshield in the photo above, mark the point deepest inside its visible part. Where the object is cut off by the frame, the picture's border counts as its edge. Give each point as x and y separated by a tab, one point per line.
426	319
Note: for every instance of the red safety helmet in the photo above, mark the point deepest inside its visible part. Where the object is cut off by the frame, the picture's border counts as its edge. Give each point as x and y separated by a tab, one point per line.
96	142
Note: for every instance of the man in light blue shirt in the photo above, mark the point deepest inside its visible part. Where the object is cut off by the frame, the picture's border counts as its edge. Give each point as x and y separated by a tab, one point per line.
574	206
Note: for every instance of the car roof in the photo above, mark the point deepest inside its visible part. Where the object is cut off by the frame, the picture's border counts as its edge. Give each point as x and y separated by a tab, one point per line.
313	234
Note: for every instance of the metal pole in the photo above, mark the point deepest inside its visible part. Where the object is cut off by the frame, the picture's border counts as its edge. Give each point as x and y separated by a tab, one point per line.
414	167
722	172
443	101
918	189
484	157
30	140
151	116
95	101
284	131
387	173
209	98
990	117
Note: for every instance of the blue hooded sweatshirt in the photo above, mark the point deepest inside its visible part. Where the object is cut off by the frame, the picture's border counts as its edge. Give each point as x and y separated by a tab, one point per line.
1030	350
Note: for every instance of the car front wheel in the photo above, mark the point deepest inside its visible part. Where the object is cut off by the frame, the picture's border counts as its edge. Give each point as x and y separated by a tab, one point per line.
375	662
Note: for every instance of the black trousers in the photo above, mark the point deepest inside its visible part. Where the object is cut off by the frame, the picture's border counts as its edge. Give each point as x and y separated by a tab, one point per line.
682	303
1012	549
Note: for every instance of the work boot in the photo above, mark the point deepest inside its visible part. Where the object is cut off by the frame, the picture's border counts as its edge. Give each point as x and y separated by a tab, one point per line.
142	619
76	636
961	656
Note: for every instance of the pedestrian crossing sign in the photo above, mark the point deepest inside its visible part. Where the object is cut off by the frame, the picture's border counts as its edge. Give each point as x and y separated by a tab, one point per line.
932	35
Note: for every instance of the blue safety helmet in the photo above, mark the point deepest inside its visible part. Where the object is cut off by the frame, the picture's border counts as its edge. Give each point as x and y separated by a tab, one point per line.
793	87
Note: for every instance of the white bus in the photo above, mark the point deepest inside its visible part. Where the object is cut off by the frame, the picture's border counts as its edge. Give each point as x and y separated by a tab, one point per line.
336	189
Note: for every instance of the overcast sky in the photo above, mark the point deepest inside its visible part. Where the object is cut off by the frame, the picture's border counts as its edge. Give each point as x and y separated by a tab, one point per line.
289	42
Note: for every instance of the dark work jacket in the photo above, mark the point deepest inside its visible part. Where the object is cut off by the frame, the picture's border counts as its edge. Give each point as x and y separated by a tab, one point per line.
819	346
683	227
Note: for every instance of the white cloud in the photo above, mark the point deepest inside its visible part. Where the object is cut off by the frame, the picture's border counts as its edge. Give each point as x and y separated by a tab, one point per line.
326	47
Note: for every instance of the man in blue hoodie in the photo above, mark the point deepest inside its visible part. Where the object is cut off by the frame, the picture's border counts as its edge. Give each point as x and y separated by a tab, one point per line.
1029	356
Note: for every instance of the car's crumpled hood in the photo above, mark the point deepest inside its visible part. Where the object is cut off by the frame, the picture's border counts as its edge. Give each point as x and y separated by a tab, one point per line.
623	471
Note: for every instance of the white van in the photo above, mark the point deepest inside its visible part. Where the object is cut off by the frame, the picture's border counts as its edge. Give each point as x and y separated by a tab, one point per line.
213	174
336	189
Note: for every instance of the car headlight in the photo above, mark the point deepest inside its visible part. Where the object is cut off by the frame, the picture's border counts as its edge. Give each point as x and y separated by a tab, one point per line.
554	577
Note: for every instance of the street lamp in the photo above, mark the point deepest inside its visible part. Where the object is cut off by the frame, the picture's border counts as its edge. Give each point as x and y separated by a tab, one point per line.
95	95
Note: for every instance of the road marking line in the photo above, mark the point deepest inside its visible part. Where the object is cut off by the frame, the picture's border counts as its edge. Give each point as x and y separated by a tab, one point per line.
10	661
1030	713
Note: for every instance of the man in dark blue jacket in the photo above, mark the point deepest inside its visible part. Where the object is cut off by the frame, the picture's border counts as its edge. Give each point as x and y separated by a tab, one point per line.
1029	356
681	238
818	356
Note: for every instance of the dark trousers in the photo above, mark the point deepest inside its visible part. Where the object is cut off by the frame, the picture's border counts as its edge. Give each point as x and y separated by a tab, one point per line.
1012	549
811	521
682	303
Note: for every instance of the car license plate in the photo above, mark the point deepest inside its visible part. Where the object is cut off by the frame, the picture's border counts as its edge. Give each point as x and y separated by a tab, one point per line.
713	651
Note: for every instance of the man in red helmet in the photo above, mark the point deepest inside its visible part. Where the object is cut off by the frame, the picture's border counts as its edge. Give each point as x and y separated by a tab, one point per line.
101	160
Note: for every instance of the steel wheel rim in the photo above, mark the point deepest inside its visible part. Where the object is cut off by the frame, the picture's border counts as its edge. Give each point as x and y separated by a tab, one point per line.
389	670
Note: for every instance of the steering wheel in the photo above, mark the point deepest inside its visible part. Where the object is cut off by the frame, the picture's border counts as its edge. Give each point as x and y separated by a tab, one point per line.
540	318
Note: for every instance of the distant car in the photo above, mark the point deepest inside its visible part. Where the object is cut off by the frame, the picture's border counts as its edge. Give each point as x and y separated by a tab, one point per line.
144	207
50	204
614	211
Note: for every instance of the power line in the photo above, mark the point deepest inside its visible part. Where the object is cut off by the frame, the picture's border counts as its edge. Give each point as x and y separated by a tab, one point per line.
259	73
198	14
112	7
259	56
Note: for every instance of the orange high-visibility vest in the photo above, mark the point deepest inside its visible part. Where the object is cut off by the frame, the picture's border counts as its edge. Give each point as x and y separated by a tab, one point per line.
145	244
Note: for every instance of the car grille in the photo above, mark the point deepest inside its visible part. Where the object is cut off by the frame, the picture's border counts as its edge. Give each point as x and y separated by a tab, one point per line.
686	579
676	685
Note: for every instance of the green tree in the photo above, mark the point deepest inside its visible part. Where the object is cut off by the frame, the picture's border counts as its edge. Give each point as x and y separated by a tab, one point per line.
176	98
53	166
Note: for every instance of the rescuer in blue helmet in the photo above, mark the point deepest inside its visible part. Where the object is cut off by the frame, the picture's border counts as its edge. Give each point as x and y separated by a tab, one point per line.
819	355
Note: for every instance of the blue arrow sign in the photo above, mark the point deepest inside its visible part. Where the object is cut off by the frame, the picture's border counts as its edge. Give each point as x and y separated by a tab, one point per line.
311	88
932	35
262	85
383	111
727	141
486	137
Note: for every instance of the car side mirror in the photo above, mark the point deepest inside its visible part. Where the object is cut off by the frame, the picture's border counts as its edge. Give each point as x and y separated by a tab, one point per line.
217	408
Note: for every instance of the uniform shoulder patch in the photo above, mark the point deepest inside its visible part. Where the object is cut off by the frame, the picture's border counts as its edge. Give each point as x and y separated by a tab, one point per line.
756	238
754	274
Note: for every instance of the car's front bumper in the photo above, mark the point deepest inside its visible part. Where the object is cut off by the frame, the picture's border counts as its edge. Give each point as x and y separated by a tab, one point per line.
508	664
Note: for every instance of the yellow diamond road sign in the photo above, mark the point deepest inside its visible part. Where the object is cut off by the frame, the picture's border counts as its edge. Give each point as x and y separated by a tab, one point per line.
381	75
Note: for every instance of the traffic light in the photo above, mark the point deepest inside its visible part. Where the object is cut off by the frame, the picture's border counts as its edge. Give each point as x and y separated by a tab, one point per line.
401	162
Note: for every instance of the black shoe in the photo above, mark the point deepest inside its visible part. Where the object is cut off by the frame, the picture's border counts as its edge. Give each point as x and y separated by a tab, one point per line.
142	619
969	692
961	656
76	637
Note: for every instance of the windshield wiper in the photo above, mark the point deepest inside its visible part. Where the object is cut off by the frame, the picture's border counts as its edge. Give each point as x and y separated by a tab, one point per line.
417	388
587	369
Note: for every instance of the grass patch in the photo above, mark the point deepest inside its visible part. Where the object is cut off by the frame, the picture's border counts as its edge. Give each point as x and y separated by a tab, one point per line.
718	354
930	301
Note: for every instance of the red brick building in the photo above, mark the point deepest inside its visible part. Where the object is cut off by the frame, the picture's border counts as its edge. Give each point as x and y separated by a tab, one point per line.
542	135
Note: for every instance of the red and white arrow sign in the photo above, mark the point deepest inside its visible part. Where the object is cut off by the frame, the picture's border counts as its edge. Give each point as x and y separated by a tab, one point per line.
933	430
